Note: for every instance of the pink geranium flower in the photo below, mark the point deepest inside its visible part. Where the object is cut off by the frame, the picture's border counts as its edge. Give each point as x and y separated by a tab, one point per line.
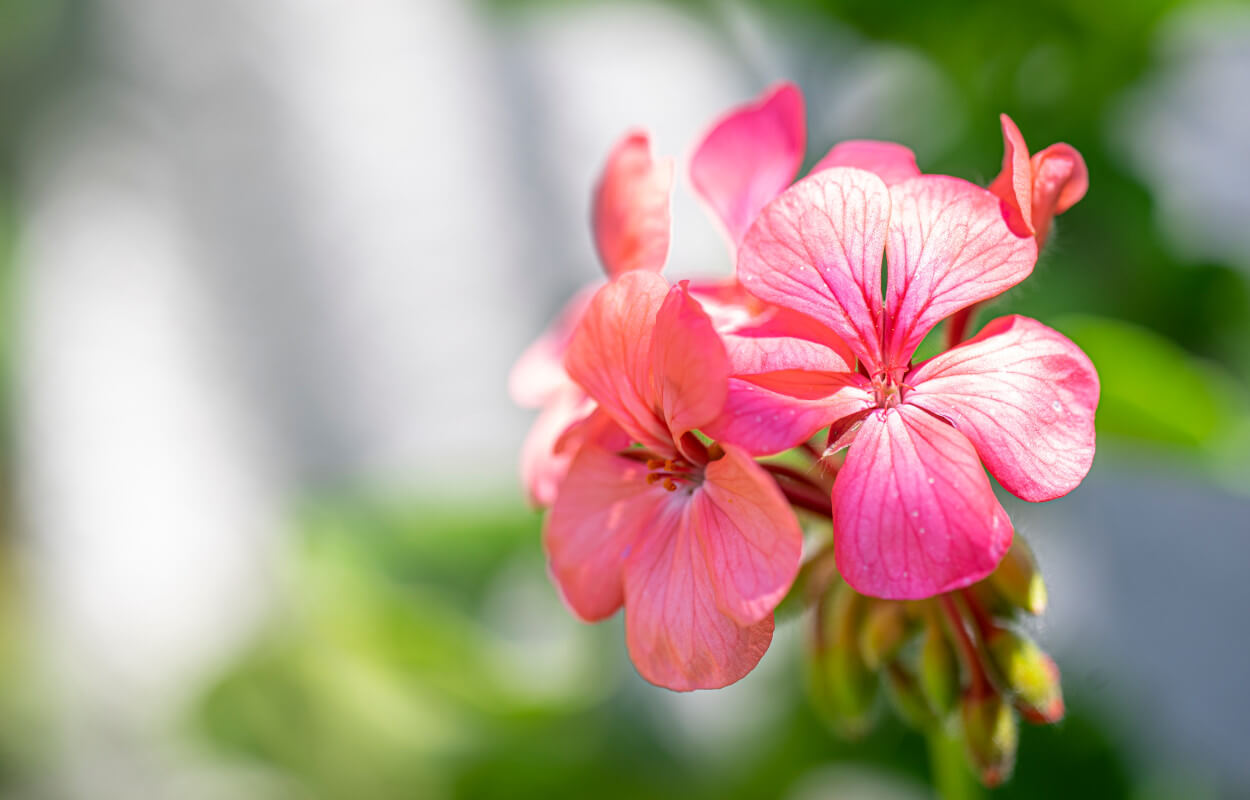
698	543
746	159
914	514
1037	189
630	218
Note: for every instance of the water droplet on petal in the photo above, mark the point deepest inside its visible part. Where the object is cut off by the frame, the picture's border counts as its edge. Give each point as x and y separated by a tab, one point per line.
930	481
1057	406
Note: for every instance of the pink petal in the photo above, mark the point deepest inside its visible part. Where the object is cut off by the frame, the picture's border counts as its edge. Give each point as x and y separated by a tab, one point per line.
893	163
631	216
610	355
750	536
1025	395
764	338
538	374
602	506
772	412
1060	179
597	426
949	247
1014	183
678	637
914	514
689	363
817	249
542	467
749	157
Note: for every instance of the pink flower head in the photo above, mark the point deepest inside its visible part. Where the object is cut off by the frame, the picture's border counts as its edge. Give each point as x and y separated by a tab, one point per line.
697	543
914	514
747	158
1037	189
631	222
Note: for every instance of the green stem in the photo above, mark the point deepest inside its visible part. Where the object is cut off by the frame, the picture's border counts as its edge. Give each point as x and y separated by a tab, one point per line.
951	776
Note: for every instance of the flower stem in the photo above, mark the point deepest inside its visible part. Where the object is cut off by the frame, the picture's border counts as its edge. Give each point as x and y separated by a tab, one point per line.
978	684
806	499
789	472
951	776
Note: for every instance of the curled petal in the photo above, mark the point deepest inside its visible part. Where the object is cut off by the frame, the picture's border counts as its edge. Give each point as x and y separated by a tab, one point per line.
677	634
817	249
1014	183
689	363
543	466
610	355
1025	395
1035	190
893	163
538	375
749	157
749	534
602	506
772	412
630	211
949	247
914	514
1060	179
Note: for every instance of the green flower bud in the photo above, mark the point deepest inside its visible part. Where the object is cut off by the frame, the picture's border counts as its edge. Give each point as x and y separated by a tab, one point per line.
884	631
990	737
939	670
904	693
816	574
842	687
1019	580
1028	673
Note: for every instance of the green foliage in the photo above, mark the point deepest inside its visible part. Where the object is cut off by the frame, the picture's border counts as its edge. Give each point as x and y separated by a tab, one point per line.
1154	392
391	673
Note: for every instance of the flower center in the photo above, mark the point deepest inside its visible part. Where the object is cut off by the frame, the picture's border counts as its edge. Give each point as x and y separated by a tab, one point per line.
671	473
887	390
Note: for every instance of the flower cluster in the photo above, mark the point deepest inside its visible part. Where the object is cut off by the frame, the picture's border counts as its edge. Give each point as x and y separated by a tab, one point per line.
684	428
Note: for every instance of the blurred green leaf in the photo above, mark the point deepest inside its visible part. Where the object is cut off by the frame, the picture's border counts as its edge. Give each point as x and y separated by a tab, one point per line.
1155	392
389	675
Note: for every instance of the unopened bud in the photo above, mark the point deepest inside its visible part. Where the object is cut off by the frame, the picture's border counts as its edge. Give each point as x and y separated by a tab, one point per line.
903	690
939	670
990	736
816	574
1019	580
842	687
988	597
1029	674
883	633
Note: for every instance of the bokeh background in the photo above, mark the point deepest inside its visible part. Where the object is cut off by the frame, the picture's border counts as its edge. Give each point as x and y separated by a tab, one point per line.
266	264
